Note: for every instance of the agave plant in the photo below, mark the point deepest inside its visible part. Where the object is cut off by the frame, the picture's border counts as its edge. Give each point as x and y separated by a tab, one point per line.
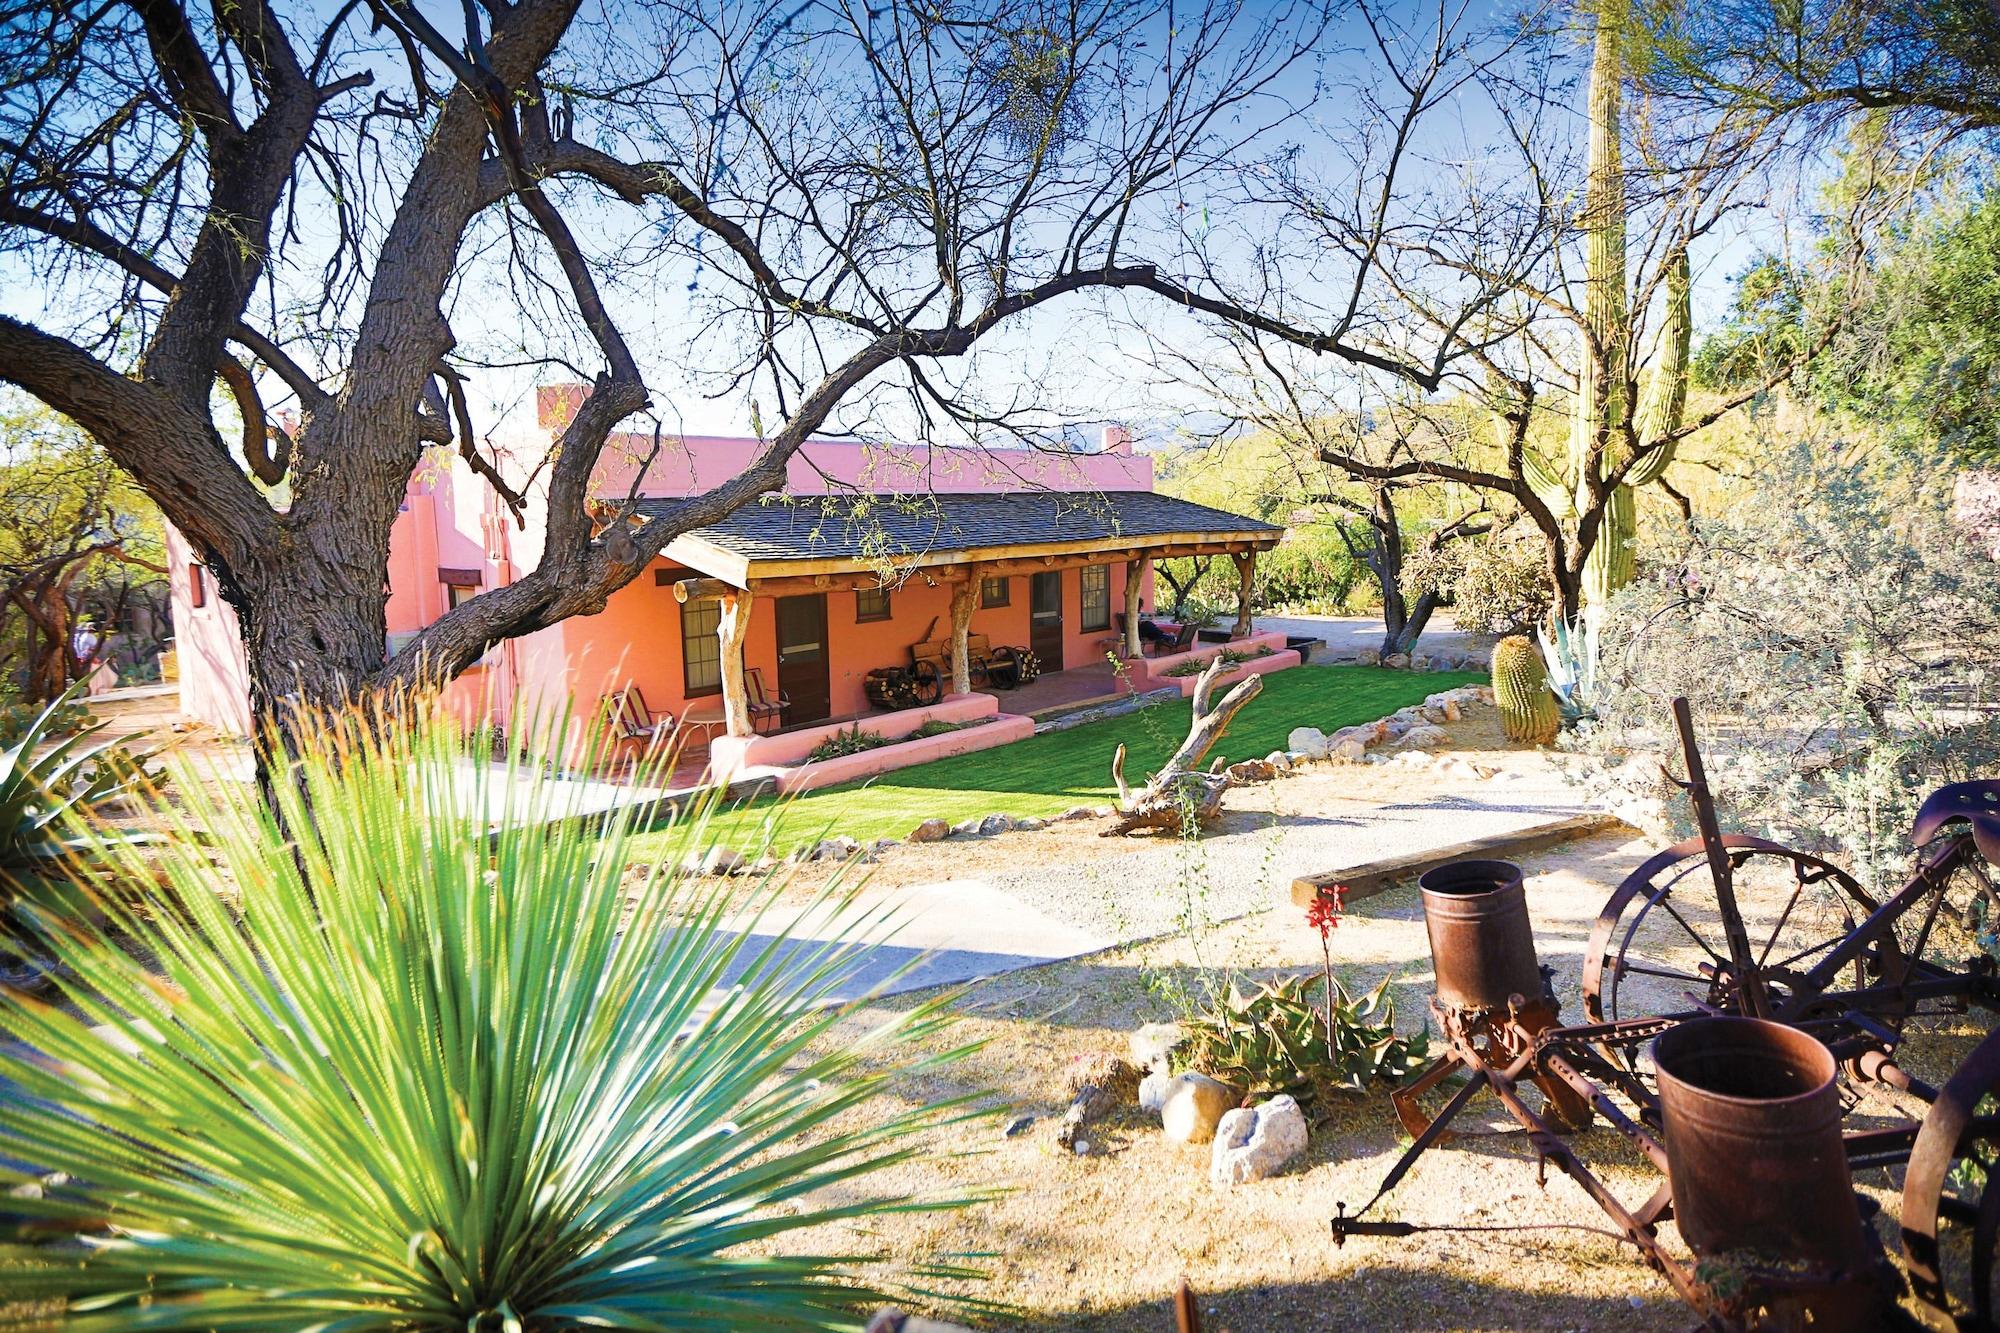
48	791
407	1049
1571	656
1275	1038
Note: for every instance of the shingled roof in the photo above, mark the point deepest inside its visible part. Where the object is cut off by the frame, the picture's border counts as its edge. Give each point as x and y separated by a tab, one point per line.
868	528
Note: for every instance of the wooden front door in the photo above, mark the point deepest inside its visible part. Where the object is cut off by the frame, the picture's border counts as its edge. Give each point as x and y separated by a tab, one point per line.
802	657
1045	619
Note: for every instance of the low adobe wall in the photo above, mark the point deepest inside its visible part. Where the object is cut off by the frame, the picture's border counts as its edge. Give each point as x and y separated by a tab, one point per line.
782	758
1256	666
996	730
1150	672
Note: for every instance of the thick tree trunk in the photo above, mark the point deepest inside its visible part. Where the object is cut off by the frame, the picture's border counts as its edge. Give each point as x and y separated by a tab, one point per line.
314	636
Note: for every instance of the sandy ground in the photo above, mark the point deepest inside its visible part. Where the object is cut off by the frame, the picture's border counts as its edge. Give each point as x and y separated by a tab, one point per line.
1098	1242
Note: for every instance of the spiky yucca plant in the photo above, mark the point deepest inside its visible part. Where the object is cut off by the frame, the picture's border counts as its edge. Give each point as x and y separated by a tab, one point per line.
409	1052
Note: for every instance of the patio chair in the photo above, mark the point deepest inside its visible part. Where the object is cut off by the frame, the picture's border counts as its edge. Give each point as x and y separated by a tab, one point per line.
1182	641
630	720
763	704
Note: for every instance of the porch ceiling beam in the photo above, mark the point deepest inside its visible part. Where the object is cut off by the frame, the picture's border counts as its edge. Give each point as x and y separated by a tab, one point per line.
694	590
1027	555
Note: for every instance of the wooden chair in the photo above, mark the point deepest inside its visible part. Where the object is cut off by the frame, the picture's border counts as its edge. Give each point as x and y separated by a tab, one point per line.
763	704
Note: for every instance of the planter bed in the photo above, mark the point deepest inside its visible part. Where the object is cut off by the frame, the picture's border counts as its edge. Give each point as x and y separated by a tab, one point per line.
783	762
983	733
1156	668
1256	666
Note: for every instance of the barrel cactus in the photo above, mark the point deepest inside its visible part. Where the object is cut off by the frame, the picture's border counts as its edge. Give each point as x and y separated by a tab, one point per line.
1528	708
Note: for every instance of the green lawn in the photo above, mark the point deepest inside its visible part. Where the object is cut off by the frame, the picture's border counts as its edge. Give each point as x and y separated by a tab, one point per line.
1047	774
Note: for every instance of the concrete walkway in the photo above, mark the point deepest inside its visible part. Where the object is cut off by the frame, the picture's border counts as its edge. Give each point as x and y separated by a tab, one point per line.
1347	635
961	930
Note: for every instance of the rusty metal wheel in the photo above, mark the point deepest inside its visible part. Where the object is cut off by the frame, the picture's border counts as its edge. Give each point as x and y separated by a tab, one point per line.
1660	947
1950	1181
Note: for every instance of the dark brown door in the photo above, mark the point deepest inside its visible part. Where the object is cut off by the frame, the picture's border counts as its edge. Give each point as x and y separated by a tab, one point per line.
802	668
1045	625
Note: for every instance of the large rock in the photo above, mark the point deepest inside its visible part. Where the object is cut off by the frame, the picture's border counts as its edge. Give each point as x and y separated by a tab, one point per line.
1278	759
1102	1069
931	830
835	849
1192	1105
993	824
1152	1045
1396	661
1350	751
1368	657
1420	661
965	828
1254	1142
1423	738
1030	825
1153	1091
1252	770
1307	741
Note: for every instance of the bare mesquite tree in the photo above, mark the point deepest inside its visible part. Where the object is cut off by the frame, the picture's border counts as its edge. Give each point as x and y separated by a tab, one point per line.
1546	261
1260	387
317	208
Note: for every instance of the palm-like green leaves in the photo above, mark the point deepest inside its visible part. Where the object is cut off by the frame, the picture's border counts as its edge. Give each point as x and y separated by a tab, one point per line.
431	1062
46	798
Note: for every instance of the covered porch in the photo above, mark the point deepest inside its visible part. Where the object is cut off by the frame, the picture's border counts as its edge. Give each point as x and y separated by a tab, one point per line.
811	596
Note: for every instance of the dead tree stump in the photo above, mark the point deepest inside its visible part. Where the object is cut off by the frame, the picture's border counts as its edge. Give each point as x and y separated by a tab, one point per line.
1182	788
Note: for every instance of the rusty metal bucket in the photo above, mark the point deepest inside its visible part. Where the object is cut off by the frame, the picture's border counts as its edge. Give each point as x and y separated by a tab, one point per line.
1754	1155
1482	945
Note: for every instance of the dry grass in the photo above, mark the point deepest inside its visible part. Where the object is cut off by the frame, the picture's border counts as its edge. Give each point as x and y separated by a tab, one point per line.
1098	1242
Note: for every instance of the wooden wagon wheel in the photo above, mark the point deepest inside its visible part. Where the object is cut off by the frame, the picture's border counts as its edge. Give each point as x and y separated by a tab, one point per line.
1659	946
1950	1180
926	684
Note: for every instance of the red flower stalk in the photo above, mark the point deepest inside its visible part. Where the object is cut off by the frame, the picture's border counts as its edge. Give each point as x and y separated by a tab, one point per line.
1323	915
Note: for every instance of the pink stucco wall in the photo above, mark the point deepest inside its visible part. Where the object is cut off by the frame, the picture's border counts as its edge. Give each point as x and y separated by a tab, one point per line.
453	520
208	646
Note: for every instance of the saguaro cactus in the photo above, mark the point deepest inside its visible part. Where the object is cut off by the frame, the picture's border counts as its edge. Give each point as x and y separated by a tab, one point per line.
1606	431
1528	708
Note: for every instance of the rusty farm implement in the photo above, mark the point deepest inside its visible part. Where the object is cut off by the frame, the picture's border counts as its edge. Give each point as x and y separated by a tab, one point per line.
1717	1042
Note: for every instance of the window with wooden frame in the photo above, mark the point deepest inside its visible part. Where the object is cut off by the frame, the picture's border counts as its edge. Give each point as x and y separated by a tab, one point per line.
197	586
701	650
1096	581
460	585
995	592
871	604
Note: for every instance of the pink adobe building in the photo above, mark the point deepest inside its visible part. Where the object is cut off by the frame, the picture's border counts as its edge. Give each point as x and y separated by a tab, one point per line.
759	633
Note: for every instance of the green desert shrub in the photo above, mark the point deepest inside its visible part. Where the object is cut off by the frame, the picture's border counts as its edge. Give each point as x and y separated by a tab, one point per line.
1310	572
1494	584
52	780
1839	640
845	741
61	718
409	1051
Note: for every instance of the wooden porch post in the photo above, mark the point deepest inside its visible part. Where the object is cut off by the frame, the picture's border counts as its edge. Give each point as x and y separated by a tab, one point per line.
1135	573
732	628
964	596
1246	571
